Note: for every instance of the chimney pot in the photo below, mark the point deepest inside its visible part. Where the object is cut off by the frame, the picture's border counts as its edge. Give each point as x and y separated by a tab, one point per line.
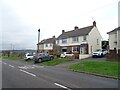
76	28
53	36
94	23
63	31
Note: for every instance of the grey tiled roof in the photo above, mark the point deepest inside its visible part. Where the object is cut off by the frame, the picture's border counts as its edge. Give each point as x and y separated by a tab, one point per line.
49	40
78	32
114	30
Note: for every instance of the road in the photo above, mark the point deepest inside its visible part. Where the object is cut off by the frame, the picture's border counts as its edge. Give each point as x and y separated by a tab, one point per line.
18	74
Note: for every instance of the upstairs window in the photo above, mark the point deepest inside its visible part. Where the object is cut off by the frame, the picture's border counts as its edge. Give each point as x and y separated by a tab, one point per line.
57	41
46	45
50	45
75	39
97	42
64	41
84	38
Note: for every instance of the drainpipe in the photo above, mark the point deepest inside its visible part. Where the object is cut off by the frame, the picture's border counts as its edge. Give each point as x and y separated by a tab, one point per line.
117	41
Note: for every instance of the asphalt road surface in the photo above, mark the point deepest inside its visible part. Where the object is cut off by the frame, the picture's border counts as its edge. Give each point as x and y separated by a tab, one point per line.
18	74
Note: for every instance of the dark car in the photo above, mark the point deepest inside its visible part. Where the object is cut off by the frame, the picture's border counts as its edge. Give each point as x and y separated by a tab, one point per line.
42	57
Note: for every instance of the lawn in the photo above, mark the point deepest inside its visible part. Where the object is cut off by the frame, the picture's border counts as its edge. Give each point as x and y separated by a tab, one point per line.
97	67
14	58
11	57
55	62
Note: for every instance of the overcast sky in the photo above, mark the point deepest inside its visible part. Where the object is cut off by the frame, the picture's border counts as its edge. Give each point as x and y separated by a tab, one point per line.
21	19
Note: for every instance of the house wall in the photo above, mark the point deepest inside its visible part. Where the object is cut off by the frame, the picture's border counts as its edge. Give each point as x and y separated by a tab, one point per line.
92	40
118	39
71	43
48	46
41	47
112	40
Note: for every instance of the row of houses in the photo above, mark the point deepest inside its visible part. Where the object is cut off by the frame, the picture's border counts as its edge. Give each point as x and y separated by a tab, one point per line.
79	41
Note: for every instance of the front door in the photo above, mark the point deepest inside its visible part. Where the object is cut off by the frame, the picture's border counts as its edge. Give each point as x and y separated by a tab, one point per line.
82	50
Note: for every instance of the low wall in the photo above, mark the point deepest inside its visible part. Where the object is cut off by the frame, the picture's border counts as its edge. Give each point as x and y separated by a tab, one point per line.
83	56
113	55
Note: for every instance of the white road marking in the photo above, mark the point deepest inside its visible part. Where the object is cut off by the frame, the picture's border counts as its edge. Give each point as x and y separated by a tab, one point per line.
62	86
4	63
38	66
11	66
26	67
28	72
30	67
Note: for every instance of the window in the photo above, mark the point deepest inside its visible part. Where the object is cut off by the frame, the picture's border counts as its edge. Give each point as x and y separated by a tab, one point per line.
84	38
57	41
64	41
46	45
74	49
64	49
75	39
50	45
97	41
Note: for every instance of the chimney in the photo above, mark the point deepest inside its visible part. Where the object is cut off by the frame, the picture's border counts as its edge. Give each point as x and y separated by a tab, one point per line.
94	23
54	36
63	31
76	28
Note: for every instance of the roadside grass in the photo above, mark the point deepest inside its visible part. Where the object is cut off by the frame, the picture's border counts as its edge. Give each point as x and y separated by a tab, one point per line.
31	60
14	58
11	57
97	67
55	62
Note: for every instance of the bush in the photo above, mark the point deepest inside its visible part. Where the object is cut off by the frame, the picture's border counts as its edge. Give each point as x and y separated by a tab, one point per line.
57	54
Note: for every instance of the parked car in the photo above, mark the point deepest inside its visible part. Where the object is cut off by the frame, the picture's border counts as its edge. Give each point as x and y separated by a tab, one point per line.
66	54
28	56
99	53
43	57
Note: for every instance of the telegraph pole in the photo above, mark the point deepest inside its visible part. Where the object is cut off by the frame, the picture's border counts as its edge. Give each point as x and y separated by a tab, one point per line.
38	40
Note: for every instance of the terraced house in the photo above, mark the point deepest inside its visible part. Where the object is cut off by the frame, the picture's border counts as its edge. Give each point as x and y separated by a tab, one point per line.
80	41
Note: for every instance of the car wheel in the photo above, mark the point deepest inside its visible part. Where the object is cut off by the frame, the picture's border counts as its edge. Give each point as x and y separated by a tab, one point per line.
51	58
101	55
26	59
39	60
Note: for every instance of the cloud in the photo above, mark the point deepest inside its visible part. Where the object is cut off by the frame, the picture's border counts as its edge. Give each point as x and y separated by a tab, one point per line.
22	18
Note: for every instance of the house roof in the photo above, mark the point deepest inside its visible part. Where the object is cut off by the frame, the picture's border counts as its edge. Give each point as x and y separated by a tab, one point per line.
49	40
113	31
78	32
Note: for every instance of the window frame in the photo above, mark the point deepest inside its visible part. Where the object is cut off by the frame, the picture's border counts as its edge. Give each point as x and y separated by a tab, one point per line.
64	41
75	49
85	38
75	39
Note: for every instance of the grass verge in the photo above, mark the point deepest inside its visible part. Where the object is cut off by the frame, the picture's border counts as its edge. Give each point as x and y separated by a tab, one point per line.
55	62
97	67
11	57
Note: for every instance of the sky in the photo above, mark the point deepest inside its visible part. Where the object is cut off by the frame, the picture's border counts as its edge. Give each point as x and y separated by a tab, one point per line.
21	19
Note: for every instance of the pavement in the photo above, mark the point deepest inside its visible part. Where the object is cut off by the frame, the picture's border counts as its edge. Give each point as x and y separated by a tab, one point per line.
18	74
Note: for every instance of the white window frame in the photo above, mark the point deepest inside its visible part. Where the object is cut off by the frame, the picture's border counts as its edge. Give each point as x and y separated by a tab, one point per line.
50	44
75	39
85	38
64	41
75	48
46	45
